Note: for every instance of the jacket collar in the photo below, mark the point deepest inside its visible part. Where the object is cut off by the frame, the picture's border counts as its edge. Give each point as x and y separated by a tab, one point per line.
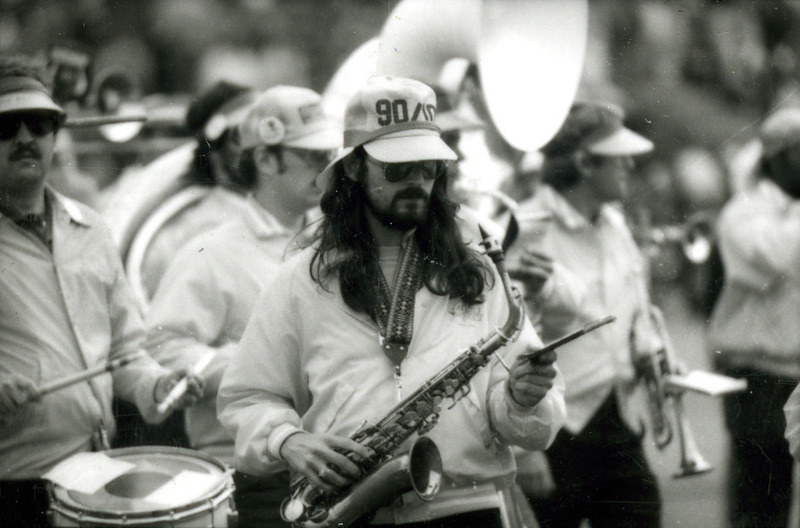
61	205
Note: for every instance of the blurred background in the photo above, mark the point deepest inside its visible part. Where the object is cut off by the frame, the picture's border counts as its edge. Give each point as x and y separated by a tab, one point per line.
697	77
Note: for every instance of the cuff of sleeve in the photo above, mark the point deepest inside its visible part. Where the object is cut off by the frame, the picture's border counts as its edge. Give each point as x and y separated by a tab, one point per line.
146	398
278	436
513	406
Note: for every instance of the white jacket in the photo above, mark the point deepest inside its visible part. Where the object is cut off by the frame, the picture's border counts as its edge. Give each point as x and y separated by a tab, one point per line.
308	361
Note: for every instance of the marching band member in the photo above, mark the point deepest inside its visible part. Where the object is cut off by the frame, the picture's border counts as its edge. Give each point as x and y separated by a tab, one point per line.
387	296
582	243
208	292
65	307
212	118
753	328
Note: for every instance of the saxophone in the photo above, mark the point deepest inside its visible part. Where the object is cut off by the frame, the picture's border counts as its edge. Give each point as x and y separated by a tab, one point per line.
386	475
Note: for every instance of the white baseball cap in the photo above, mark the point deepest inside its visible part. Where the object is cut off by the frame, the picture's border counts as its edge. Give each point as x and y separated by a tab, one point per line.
395	121
290	116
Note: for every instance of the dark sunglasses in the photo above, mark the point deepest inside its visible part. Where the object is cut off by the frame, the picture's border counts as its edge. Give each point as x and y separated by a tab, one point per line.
395	172
37	124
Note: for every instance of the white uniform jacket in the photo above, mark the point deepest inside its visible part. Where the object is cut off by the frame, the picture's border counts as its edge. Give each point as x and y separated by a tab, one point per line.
308	361
203	303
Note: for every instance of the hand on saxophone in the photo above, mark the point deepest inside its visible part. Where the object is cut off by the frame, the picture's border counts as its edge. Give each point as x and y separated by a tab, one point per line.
530	379
319	458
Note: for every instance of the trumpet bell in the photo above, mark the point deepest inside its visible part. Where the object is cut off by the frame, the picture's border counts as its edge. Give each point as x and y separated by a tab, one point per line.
692	461
529	55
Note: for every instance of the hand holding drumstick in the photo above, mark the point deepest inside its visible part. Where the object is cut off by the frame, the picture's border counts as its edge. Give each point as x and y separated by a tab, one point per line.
17	390
182	389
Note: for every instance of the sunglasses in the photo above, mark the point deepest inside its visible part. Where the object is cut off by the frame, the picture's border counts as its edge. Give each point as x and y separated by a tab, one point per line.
395	172
37	124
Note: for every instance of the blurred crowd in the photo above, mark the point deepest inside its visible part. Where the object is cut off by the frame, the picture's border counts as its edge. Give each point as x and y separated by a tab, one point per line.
721	66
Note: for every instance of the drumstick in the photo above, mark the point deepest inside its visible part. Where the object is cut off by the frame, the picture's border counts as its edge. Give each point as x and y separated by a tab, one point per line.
569	337
85	375
180	387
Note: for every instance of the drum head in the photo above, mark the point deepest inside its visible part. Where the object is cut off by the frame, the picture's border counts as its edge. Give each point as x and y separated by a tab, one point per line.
155	470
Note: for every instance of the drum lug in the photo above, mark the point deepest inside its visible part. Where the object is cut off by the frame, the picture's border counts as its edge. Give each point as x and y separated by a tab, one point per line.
233	519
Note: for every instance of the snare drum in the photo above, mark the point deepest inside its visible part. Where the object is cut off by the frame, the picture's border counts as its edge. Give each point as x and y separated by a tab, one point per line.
144	486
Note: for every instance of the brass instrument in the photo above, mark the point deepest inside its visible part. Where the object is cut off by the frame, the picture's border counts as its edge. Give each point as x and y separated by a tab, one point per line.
113	92
387	476
665	386
422	39
695	237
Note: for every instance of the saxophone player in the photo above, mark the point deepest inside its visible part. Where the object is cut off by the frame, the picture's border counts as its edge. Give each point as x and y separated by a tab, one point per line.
389	293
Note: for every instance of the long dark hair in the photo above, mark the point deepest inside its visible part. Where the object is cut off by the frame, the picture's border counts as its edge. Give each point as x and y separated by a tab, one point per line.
346	250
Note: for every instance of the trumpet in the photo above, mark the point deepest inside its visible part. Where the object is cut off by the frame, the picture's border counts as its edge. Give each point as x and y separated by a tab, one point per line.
665	386
695	237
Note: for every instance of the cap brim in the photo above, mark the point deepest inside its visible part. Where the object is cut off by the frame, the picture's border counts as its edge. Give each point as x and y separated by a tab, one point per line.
450	121
324	139
410	145
623	142
28	100
397	147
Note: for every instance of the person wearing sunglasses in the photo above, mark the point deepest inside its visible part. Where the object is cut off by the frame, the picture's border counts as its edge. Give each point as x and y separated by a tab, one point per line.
387	295
208	291
65	307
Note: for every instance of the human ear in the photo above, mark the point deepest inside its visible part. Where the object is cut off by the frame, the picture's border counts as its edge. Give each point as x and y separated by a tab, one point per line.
266	161
582	162
352	166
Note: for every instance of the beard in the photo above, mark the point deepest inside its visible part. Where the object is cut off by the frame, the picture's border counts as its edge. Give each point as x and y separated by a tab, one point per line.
408	209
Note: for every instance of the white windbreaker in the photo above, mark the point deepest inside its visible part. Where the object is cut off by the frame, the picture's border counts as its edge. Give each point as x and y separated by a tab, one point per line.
307	361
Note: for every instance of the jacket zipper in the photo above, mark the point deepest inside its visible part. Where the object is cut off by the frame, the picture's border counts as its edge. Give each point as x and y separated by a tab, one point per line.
397	384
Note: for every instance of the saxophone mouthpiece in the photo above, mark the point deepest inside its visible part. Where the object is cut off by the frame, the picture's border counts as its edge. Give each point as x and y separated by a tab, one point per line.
490	244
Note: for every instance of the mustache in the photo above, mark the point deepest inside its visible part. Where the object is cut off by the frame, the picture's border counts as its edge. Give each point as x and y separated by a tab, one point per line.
411	193
25	151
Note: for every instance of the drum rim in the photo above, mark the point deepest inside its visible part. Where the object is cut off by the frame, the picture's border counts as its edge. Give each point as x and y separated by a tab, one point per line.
213	498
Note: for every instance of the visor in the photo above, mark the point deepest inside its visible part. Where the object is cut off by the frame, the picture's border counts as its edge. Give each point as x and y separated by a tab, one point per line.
19	94
622	142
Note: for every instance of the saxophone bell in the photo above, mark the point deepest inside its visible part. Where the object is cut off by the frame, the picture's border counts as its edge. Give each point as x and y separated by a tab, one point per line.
419	470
